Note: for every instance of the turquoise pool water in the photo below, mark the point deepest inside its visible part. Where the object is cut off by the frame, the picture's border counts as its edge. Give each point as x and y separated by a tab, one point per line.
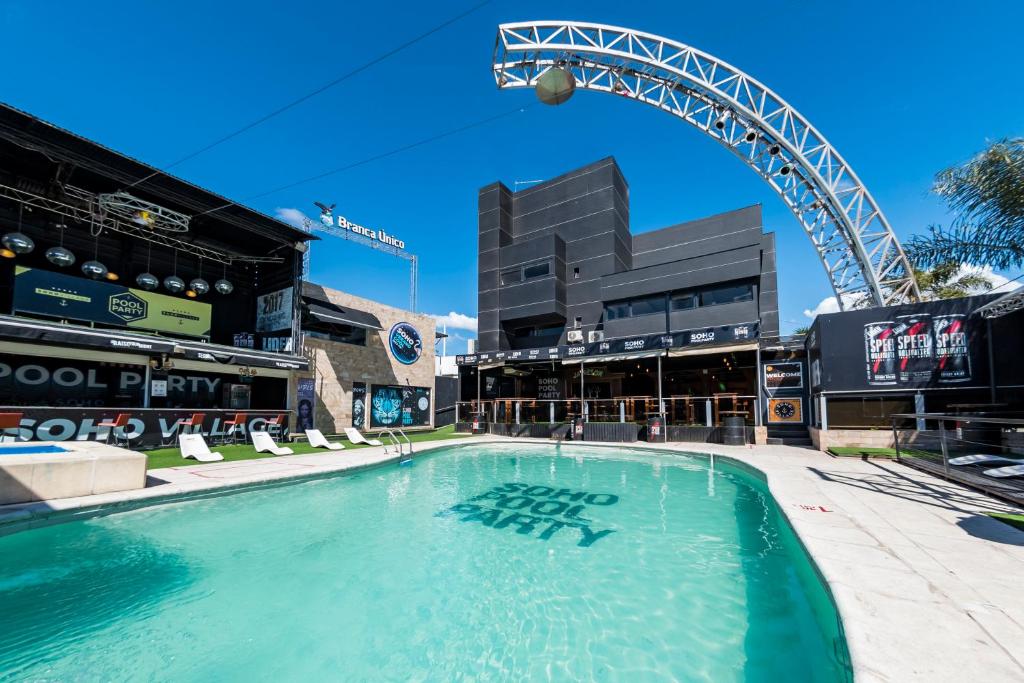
30	450
511	562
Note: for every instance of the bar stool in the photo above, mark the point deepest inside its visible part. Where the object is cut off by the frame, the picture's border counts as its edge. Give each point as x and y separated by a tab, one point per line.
277	423
121	422
9	421
195	421
238	422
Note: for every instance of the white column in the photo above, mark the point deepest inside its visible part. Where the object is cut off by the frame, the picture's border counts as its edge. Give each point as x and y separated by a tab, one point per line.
824	412
661	402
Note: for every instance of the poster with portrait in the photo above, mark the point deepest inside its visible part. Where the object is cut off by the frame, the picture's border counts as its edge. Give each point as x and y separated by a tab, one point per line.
305	403
358	405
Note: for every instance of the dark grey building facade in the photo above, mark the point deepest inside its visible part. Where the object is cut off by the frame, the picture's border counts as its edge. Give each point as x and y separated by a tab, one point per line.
558	265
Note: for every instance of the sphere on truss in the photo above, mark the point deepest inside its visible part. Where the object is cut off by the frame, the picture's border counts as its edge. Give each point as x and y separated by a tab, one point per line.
555	86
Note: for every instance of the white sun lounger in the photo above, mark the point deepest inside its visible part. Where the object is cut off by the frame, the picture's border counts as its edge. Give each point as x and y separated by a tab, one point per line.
264	443
982	458
194	446
318	440
1002	472
355	437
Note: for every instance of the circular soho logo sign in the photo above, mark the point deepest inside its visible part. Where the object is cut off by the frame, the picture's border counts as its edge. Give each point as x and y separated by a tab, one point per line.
405	343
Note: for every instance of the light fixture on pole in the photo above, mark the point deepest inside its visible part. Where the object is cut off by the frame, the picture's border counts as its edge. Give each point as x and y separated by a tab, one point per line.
173	283
147	280
17	242
93	268
198	284
59	256
223	285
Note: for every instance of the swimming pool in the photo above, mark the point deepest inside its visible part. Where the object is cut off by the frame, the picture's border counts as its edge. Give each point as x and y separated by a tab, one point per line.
31	450
484	562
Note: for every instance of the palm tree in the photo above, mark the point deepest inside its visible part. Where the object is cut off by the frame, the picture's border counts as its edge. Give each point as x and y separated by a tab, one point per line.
950	281
986	195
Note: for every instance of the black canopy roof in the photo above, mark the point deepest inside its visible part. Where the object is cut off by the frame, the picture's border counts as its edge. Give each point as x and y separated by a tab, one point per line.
37	143
328	312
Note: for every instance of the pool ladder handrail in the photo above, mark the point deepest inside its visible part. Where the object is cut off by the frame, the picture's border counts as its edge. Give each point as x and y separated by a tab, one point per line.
394	439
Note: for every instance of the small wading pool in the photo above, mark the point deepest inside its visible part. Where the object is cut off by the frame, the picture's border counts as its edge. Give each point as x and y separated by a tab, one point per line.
492	562
30	450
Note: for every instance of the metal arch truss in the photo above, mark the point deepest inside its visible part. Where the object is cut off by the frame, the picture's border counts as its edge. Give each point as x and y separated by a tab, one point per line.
863	258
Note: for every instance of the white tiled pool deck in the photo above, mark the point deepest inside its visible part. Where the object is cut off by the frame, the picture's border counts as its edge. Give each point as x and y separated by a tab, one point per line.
929	588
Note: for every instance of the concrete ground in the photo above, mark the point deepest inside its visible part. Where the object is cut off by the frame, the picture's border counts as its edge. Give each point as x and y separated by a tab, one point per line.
929	588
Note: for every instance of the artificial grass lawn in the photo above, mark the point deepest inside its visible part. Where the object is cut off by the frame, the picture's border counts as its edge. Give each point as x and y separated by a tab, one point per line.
858	452
171	457
1013	520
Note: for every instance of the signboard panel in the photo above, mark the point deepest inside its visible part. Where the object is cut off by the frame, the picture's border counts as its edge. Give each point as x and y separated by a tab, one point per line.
274	310
786	410
74	298
788	375
724	334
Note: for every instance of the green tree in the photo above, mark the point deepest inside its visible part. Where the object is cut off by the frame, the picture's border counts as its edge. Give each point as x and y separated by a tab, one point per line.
802	330
949	281
986	196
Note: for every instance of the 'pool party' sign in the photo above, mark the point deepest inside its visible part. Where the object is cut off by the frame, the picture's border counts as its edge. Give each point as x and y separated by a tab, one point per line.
543	509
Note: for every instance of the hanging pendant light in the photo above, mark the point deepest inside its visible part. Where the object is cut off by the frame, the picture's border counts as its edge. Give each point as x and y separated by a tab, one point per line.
59	256
173	283
18	242
223	285
94	268
198	285
147	280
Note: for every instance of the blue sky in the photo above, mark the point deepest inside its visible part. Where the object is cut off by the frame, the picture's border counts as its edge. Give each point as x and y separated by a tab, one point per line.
900	89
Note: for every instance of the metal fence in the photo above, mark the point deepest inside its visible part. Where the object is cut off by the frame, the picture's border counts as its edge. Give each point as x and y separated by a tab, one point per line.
983	452
706	411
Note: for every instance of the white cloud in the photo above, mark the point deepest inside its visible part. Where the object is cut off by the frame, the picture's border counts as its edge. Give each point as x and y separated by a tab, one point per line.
1000	285
831	305
292	217
458	321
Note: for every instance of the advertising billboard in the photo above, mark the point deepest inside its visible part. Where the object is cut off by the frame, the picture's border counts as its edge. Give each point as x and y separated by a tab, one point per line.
395	406
935	344
274	310
66	297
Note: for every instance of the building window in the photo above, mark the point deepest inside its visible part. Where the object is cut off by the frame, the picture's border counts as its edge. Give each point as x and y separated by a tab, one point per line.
511	276
576	273
726	295
616	310
648	305
535	271
684	302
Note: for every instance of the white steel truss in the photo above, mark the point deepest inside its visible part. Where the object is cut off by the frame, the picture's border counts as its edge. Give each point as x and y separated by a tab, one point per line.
860	252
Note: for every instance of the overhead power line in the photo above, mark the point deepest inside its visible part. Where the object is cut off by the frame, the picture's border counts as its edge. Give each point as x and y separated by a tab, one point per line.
313	93
377	157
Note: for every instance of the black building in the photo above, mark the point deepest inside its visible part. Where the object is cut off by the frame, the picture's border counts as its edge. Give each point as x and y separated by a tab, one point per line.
558	259
127	291
674	314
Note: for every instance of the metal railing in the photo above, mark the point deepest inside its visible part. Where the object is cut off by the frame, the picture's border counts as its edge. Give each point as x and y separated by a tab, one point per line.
394	440
703	411
980	451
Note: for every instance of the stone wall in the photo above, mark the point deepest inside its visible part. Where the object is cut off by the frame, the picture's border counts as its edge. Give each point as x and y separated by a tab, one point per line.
867	438
335	366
